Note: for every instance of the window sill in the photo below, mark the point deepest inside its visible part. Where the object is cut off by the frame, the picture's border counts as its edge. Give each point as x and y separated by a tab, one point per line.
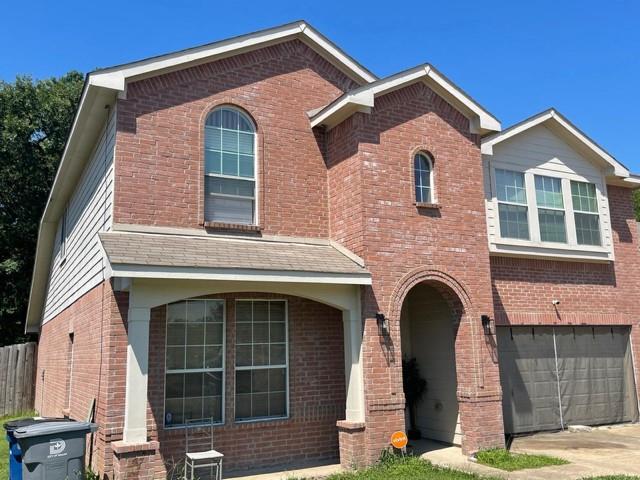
261	420
193	426
233	227
521	248
433	206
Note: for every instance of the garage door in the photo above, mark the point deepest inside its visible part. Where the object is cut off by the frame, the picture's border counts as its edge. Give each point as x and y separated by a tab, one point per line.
557	376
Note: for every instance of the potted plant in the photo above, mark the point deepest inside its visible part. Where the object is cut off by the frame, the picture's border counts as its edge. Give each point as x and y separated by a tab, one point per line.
414	387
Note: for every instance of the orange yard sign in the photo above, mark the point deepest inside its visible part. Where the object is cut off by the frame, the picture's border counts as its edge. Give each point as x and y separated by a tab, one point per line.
399	440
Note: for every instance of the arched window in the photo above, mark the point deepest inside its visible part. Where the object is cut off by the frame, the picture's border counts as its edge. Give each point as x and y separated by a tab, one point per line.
423	178
230	167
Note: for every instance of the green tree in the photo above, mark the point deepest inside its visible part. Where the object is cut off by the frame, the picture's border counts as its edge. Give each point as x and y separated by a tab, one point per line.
636	204
35	119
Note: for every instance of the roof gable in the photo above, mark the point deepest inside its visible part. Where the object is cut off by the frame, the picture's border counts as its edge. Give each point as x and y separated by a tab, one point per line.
615	171
116	77
363	99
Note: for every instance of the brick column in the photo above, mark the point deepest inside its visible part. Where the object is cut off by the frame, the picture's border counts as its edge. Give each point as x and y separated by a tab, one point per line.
137	461
351	438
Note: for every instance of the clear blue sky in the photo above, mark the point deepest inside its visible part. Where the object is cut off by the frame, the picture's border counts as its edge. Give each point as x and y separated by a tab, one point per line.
516	58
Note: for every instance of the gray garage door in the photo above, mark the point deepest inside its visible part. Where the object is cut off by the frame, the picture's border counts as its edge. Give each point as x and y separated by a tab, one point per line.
557	376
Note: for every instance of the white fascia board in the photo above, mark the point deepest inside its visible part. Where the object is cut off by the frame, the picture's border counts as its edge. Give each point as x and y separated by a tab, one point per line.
335	53
116	77
40	275
343	109
485	121
557	120
244	275
633	179
333	114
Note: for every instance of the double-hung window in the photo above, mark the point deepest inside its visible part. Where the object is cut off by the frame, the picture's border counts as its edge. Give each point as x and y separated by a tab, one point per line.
512	204
550	204
585	213
230	180
194	378
558	212
261	359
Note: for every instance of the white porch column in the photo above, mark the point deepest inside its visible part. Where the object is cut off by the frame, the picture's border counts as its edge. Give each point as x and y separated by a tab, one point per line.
135	413
352	322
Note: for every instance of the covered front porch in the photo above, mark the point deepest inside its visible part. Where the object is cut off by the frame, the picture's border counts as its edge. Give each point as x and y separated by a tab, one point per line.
262	366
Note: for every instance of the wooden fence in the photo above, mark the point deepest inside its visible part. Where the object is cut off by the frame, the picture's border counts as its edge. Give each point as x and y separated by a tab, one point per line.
17	378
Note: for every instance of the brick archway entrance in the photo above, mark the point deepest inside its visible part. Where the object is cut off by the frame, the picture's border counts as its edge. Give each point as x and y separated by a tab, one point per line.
477	389
429	324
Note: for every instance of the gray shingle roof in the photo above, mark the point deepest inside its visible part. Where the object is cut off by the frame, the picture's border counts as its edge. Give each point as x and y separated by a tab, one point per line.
215	252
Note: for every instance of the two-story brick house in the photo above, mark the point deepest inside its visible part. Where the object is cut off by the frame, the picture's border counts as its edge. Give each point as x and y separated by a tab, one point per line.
247	237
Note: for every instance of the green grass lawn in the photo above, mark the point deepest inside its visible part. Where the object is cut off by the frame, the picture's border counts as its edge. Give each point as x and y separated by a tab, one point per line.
4	446
406	468
505	460
614	477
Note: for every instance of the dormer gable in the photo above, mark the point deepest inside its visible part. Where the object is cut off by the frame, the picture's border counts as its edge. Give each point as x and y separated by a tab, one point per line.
546	190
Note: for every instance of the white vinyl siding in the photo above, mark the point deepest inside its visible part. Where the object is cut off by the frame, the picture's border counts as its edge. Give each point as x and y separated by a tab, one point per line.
78	266
538	152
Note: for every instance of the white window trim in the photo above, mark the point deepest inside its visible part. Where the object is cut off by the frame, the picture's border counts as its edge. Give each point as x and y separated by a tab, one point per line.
432	185
256	172
535	247
222	421
286	366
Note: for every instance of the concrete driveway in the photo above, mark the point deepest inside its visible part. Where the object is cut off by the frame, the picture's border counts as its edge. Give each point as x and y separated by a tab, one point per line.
601	451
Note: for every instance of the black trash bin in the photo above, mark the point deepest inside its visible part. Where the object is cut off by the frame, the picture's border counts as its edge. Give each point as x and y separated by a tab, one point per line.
53	450
15	453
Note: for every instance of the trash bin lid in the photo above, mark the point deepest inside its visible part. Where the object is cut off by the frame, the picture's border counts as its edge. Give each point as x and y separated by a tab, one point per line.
53	427
24	422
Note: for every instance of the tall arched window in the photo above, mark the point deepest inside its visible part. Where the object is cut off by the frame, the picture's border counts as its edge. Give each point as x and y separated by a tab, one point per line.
422	174
230	167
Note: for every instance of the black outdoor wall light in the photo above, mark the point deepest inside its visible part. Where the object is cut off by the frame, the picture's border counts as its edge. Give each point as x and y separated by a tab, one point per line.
383	324
486	323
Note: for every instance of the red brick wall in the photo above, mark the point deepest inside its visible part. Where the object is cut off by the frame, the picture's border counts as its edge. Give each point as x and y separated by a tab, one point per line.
159	144
371	171
84	319
98	322
316	392
589	293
